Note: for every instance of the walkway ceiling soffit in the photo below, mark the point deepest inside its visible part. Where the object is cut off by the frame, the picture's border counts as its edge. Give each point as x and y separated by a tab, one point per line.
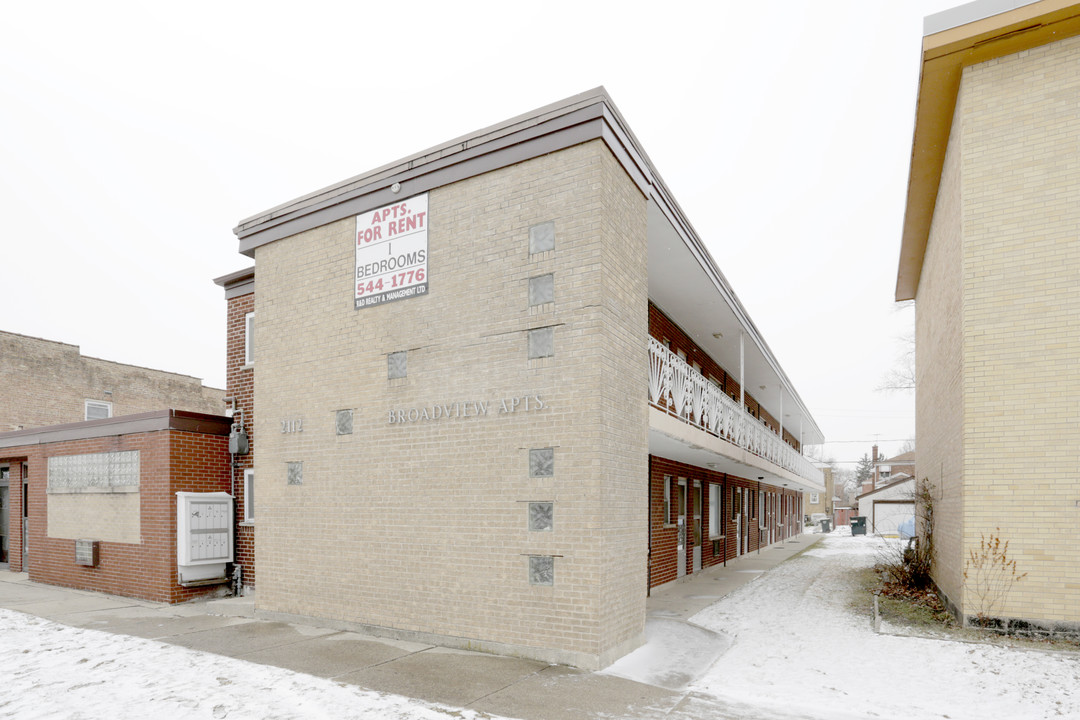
686	284
679	450
945	55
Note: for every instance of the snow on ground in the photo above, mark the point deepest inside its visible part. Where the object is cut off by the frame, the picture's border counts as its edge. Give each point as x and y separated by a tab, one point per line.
54	671
799	651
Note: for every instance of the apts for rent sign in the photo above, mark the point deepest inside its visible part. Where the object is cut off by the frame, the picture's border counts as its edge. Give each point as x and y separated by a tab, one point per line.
391	252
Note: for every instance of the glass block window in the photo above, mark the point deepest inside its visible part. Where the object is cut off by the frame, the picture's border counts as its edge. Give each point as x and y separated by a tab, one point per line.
541	238
542	289
294	473
542	462
541	570
397	365
541	516
541	343
94	473
343	422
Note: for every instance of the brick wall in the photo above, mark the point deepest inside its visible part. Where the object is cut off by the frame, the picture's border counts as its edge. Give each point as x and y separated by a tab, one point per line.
938	369
47	383
779	510
169	461
423	527
1020	191
240	384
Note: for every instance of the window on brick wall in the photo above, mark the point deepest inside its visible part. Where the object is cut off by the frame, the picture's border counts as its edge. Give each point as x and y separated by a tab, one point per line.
397	365
249	496
542	237
541	343
249	338
814	498
761	508
668	504
716	494
98	410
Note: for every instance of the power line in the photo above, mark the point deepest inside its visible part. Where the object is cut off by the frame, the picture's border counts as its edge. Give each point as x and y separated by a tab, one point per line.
830	442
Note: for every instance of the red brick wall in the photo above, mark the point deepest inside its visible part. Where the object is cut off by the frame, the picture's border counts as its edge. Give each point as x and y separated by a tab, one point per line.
169	461
240	384
663	537
662	328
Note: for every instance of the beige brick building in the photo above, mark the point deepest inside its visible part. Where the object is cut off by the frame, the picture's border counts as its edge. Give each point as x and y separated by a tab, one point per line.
43	382
991	255
499	394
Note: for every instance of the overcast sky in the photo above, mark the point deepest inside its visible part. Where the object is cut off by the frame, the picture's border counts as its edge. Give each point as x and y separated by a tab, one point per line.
134	136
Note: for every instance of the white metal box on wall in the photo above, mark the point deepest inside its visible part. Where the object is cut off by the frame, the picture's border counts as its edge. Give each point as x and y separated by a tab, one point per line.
204	536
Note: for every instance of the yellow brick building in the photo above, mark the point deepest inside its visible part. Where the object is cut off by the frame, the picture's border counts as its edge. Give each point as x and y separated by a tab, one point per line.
991	256
464	433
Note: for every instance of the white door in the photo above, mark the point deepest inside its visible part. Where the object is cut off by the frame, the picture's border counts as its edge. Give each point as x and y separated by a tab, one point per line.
746	519
697	525
680	551
736	511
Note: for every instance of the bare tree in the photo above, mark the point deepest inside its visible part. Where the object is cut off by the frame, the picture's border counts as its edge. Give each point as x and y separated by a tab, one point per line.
901	378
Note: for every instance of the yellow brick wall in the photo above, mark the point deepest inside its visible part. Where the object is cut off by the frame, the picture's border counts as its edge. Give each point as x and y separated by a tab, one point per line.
422	527
43	383
1021	337
938	370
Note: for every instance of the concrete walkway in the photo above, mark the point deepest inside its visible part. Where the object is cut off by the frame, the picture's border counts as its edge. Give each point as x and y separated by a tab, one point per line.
643	685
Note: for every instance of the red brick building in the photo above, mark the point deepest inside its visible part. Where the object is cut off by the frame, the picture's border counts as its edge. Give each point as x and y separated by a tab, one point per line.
240	389
698	515
113	481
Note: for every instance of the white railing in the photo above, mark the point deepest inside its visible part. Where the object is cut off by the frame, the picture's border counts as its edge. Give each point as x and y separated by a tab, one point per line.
680	390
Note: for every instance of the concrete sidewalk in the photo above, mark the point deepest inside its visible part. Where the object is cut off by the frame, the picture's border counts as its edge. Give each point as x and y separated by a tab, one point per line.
493	684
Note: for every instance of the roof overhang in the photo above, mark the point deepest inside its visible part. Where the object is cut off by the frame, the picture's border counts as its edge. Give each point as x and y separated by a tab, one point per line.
155	421
240	282
955	39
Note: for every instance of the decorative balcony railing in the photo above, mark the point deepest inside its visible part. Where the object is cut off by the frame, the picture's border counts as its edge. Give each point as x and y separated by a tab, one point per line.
677	388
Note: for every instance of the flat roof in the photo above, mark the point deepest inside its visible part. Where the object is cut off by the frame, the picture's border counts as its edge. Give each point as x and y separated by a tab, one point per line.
966	35
155	421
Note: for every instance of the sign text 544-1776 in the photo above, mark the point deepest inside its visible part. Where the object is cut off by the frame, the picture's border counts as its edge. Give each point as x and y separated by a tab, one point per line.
392	252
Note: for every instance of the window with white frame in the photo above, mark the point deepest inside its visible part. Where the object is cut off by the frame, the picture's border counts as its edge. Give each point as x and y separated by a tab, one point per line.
667	501
761	509
715	496
249	338
98	409
814	498
249	496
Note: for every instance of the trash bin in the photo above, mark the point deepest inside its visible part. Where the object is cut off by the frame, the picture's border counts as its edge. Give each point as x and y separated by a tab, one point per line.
825	526
858	525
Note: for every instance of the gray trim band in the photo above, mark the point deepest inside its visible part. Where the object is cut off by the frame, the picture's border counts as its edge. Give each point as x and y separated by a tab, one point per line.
123	425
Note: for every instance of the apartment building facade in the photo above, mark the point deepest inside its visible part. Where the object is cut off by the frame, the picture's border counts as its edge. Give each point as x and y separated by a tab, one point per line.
498	391
991	256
